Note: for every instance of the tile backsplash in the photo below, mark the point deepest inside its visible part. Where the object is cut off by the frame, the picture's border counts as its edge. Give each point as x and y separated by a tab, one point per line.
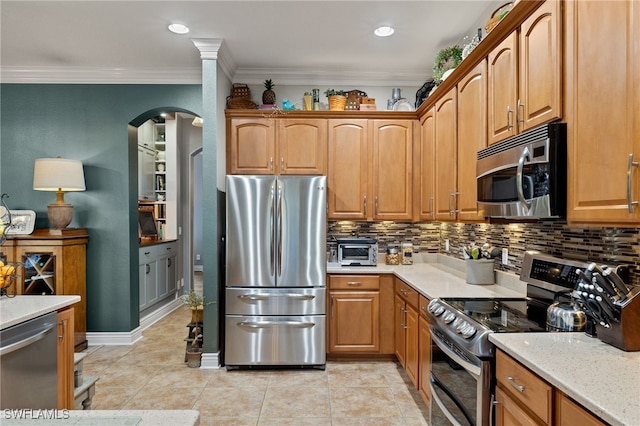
609	246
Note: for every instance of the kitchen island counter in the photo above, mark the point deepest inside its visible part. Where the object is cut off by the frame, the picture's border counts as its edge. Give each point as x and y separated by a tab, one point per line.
15	310
444	277
600	377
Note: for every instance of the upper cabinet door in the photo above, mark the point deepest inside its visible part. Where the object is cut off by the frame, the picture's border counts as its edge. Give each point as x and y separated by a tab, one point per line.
348	165
503	89
392	169
251	148
424	160
603	111
302	147
446	153
472	137
540	53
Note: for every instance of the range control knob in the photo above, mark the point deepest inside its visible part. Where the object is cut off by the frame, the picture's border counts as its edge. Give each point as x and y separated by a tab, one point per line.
457	324
448	316
435	308
468	331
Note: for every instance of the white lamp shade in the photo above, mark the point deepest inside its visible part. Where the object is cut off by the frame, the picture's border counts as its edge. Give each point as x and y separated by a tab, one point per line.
51	174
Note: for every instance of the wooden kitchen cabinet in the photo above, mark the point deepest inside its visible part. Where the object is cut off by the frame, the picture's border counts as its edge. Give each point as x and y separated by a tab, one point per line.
53	265
510	413
445	168
603	111
251	146
354	313
301	146
523	398
348	169
424	173
406	328
65	332
392	168
267	146
569	413
370	169
525	75
471	138
424	352
527	391
360	315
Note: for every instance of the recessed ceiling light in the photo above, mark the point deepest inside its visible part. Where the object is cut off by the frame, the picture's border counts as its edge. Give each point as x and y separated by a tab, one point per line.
383	31
178	28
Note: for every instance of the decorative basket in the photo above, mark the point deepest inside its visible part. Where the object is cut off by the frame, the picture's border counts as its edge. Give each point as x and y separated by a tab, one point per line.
240	103
497	16
240	91
240	97
337	103
353	99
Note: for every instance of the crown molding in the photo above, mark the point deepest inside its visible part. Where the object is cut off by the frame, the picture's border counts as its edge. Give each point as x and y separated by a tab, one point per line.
213	48
300	77
100	75
193	75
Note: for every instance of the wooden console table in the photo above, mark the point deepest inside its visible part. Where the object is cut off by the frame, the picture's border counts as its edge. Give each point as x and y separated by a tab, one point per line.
52	264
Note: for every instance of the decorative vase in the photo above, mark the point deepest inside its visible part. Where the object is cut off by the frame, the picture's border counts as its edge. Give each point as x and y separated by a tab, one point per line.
337	102
197	314
194	357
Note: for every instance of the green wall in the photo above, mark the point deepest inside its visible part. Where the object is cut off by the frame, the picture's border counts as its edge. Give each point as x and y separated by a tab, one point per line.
88	123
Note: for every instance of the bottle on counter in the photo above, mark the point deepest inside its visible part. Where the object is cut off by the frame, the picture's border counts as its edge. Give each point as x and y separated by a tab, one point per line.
393	256
407	253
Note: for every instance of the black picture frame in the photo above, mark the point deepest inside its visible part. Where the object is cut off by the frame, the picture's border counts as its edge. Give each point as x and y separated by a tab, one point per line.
147	224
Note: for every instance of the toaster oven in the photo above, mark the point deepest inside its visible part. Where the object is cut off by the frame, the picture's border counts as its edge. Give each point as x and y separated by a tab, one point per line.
357	251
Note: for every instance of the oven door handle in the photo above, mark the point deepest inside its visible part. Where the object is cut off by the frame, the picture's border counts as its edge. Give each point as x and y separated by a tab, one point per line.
432	387
472	369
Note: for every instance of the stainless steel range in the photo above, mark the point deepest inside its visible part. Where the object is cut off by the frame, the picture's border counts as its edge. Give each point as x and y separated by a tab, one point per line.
463	358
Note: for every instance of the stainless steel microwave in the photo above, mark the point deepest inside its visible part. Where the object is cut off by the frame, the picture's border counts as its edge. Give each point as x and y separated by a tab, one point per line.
525	176
357	251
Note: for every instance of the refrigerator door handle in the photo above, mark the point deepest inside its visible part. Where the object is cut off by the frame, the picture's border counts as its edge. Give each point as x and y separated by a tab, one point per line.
272	213
270	324
261	296
279	196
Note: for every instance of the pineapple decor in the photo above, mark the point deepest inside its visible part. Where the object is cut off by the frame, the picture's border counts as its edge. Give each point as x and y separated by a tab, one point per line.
268	96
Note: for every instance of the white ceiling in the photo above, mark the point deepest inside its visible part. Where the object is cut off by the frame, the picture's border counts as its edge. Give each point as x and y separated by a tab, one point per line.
290	41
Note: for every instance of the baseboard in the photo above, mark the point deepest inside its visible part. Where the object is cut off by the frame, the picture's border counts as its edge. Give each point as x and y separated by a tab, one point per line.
131	337
210	360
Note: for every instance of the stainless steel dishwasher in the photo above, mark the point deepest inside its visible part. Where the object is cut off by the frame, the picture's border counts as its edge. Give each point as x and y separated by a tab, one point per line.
29	364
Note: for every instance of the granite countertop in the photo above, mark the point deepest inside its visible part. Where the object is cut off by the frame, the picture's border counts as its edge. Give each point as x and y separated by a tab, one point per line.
442	276
14	310
604	379
112	418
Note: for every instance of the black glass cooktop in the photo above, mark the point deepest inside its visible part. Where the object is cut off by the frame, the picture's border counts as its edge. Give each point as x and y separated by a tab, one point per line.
504	315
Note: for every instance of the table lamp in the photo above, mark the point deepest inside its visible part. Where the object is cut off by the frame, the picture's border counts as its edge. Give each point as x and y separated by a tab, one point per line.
60	175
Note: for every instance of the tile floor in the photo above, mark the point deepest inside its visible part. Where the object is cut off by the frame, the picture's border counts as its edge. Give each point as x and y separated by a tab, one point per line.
152	374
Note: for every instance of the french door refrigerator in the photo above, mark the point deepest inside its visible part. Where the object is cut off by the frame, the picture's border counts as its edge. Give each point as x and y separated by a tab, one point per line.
275	312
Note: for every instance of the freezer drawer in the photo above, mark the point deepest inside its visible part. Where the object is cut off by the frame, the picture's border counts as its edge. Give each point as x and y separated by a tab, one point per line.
275	301
274	340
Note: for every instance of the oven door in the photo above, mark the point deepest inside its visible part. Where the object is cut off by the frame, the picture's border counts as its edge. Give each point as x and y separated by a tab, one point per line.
355	254
460	385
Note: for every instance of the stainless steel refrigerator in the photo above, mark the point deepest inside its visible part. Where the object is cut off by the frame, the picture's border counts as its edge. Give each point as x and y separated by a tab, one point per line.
275	311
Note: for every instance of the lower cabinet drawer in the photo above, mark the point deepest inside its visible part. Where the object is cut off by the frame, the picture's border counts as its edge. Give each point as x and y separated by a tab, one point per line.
354	282
524	386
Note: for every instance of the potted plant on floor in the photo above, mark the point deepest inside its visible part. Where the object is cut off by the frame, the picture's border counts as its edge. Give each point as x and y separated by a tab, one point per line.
196	303
194	349
337	99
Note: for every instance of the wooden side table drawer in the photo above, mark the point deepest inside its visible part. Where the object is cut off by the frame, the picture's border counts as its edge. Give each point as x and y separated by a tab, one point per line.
354	282
524	386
